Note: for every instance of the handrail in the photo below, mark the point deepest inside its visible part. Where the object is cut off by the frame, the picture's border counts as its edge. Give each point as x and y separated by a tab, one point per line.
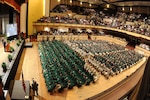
91	26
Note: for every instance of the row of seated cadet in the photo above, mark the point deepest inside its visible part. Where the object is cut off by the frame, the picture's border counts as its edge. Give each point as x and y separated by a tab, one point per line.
107	58
73	71
62	68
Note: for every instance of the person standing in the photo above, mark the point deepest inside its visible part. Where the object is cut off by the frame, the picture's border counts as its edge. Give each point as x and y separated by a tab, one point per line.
35	87
4	44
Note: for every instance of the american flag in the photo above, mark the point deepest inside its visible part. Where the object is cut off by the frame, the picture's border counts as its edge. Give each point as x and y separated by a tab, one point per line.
23	83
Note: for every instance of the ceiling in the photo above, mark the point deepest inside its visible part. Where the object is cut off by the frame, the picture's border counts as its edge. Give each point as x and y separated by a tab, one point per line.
120	2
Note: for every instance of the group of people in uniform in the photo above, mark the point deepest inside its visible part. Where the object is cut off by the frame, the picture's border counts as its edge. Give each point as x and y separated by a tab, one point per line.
104	57
62	67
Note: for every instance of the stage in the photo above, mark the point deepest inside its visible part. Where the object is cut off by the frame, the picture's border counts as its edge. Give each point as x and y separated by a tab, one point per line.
12	65
4	55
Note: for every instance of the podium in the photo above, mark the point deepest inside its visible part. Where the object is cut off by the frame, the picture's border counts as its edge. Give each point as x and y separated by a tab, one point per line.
17	90
7	48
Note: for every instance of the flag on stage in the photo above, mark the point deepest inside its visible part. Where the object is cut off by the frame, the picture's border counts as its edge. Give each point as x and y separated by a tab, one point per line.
23	83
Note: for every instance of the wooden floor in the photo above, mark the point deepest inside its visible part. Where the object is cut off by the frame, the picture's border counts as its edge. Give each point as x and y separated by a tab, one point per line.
31	67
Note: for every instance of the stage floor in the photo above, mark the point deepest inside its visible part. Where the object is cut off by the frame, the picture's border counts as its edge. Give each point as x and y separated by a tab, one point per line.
4	55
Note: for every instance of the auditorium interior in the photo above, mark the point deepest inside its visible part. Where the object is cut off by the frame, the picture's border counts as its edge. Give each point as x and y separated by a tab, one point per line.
75	49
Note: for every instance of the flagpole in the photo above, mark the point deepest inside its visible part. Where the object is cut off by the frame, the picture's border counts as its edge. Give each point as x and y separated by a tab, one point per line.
23	83
24	86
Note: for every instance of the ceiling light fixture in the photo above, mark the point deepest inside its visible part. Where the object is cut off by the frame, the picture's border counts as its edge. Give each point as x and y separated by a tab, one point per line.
90	5
122	8
107	5
131	9
70	1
